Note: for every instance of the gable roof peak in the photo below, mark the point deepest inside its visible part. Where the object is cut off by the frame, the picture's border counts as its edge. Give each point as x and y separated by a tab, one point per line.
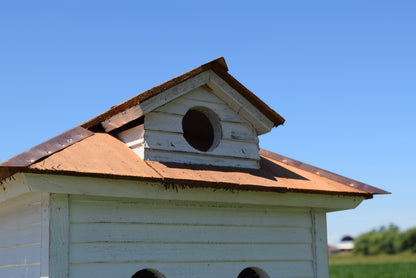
218	66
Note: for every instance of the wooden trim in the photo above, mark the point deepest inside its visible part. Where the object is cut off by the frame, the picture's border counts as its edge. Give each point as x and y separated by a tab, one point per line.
59	236
240	104
319	243
154	102
219	66
44	244
156	190
15	186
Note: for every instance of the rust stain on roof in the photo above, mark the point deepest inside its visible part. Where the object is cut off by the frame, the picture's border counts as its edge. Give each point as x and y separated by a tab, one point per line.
81	152
320	172
272	176
48	147
98	155
32	155
102	155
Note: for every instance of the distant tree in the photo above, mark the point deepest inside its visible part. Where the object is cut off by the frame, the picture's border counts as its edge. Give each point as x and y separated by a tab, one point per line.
363	242
394	227
385	240
409	240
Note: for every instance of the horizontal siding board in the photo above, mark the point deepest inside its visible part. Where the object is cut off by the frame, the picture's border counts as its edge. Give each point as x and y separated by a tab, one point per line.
169	95
202	94
21	211
28	200
85	210
239	131
20	255
133	136
17	220
22	271
116	252
173	123
196	158
185	234
182	105
168	141
28	216
116	237
23	236
20	236
194	270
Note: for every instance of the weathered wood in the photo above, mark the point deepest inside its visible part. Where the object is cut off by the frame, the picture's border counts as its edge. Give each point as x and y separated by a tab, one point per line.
20	212
122	118
173	123
196	270
20	236
157	233
132	234
239	131
174	92
13	187
86	209
21	255
203	94
195	158
119	252
320	244
148	190
23	271
45	228
181	106
59	236
154	102
133	136
165	141
235	100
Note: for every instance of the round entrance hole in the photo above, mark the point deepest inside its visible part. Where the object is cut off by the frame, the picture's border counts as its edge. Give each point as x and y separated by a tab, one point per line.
201	129
148	273
253	272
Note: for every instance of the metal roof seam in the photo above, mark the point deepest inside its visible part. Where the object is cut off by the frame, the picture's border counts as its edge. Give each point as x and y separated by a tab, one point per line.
154	169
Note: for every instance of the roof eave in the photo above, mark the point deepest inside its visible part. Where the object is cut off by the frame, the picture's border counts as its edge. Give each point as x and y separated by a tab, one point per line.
370	190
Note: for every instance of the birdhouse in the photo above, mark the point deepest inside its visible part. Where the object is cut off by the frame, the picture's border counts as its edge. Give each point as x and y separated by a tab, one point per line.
171	183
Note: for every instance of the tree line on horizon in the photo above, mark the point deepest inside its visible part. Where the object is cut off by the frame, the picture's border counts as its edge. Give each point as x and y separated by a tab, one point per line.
386	240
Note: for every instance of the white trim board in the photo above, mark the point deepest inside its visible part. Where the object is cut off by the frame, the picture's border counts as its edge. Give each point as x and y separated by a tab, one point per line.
153	190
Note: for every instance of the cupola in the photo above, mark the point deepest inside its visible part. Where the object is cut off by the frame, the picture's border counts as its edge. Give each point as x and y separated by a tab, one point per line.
204	116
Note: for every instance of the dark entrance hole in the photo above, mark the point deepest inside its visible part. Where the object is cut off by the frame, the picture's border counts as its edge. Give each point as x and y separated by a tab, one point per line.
198	130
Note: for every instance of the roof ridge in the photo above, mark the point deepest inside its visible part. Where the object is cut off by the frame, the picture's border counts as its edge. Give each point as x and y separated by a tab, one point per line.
219	66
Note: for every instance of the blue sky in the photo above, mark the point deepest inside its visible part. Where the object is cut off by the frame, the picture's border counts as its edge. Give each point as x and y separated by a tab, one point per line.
342	74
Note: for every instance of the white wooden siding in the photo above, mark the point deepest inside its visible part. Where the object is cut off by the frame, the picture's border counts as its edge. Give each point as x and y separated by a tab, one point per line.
112	237
164	141
20	236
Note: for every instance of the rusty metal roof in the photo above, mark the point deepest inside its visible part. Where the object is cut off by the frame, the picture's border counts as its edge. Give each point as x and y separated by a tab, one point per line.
102	155
219	66
82	152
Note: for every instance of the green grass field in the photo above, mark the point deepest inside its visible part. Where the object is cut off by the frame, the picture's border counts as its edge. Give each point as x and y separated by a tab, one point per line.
383	266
